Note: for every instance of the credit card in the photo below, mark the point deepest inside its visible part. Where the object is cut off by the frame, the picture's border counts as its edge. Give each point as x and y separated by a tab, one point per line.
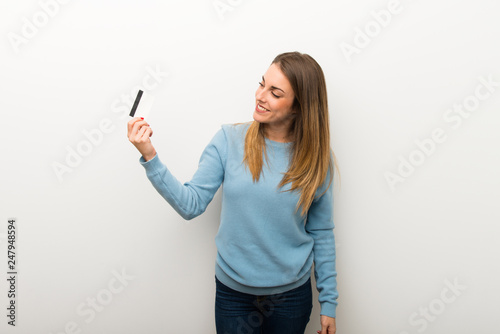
142	105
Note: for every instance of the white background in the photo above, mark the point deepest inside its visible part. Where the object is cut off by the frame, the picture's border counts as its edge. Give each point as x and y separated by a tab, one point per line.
396	246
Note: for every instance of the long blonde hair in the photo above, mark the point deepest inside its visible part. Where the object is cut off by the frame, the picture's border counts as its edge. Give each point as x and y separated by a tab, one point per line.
311	154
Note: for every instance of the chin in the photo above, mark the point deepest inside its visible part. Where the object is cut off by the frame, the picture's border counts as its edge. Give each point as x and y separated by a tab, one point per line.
257	117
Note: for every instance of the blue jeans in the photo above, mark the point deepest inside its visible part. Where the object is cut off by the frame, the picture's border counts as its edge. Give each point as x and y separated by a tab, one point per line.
242	313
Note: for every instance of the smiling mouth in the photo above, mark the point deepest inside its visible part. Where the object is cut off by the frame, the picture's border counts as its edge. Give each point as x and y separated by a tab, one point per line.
261	108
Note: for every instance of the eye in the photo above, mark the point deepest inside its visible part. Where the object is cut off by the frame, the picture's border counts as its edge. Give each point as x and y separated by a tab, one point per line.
276	96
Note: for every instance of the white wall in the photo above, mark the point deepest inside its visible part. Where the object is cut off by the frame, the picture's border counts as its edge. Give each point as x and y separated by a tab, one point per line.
399	246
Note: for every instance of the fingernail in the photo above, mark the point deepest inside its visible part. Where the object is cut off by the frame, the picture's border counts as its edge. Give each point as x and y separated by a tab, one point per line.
142	117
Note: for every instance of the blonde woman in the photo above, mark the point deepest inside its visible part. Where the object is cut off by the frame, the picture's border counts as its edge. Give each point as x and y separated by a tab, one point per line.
277	204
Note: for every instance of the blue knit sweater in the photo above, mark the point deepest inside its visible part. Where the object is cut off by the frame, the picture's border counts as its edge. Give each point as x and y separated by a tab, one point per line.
263	245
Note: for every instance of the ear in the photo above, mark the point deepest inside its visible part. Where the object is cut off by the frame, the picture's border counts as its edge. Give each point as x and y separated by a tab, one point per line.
295	107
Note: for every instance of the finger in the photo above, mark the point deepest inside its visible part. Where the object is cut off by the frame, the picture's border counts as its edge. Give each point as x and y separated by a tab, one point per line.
135	122
131	123
137	126
132	126
140	137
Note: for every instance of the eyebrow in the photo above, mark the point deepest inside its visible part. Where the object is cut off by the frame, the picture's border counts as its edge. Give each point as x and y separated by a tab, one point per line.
274	87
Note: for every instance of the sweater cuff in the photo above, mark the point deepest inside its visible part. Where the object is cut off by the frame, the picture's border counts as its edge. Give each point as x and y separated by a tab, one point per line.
152	164
328	309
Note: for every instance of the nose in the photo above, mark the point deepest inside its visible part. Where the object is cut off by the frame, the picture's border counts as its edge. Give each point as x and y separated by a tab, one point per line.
259	95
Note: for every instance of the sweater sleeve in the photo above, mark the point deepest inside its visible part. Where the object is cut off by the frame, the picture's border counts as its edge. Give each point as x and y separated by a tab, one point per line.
191	198
320	226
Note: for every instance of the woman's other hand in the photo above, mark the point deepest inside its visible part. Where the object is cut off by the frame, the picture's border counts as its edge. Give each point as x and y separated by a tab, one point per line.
327	325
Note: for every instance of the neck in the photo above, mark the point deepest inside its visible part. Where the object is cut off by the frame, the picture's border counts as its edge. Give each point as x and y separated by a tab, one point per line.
279	134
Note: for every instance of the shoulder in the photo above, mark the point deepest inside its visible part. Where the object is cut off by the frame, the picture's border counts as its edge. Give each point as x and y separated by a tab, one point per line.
236	128
235	132
229	134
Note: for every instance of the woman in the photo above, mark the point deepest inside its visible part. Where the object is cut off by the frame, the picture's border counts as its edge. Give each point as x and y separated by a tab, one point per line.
277	204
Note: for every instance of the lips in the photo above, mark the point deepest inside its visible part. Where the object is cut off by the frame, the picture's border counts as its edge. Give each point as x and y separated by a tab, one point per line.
261	109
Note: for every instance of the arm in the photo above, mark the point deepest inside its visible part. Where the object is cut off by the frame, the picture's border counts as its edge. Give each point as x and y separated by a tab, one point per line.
320	226
191	198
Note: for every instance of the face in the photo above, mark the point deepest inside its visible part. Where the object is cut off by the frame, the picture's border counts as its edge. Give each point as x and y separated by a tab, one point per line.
274	99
